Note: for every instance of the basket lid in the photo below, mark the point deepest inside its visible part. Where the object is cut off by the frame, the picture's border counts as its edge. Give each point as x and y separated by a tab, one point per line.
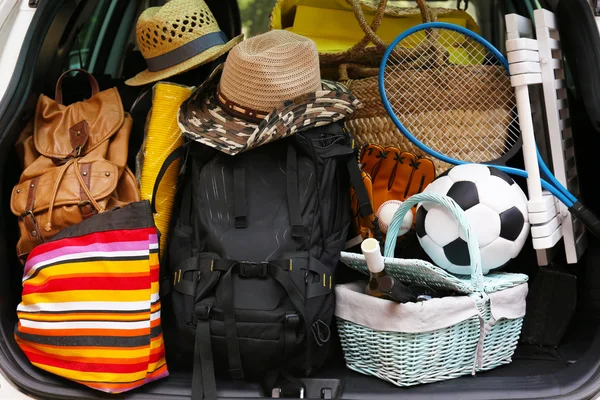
423	272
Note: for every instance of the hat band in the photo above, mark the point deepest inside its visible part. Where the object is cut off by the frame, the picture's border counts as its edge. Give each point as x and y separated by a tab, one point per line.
185	52
234	109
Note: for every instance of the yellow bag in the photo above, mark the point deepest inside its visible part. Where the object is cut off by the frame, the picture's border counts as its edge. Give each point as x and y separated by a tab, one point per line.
337	28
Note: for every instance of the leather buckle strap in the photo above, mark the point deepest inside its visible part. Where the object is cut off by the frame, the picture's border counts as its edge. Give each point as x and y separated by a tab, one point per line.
86	208
31	225
250	269
85	204
28	217
27	213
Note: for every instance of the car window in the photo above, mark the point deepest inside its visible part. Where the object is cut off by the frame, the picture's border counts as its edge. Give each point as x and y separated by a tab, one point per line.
89	38
255	15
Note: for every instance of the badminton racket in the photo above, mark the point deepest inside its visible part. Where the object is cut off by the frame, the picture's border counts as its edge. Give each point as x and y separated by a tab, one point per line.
448	90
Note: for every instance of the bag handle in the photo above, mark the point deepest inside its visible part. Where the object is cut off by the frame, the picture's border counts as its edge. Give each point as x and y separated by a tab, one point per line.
370	30
463	222
58	96
365	72
175	155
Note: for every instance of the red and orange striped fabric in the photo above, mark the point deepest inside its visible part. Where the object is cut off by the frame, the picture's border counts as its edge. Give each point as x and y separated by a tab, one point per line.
90	309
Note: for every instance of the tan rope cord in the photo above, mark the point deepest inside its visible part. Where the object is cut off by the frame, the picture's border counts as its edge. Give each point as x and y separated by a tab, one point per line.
61	174
370	30
85	188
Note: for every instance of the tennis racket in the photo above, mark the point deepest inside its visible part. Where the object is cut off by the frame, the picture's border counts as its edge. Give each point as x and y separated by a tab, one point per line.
448	91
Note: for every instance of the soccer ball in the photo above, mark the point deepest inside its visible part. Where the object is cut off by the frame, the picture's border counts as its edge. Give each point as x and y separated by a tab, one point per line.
497	210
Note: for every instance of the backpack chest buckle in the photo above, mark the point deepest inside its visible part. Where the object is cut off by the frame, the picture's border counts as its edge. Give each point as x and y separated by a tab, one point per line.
252	269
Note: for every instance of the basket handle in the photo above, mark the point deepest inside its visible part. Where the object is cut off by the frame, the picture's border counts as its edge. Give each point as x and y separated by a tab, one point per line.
370	30
364	71
463	222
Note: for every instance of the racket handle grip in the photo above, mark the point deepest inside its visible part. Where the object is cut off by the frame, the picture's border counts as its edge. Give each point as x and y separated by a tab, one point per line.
589	220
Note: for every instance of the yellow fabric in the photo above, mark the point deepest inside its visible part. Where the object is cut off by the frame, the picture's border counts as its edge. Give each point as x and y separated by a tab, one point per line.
333	26
93	352
162	137
337	30
71	296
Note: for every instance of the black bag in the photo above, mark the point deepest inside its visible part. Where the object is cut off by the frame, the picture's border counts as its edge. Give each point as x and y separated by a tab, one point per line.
253	252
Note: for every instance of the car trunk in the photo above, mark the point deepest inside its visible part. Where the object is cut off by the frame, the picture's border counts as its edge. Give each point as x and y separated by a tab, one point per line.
570	370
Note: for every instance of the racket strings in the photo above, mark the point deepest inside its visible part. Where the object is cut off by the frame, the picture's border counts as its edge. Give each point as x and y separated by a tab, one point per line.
452	95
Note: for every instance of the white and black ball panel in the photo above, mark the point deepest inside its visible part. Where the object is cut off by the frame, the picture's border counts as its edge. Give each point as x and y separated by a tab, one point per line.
441	226
497	254
502	175
473	173
520	241
497	210
496	194
458	270
435	252
485	222
520	200
440	185
464	193
512	223
420	221
457	252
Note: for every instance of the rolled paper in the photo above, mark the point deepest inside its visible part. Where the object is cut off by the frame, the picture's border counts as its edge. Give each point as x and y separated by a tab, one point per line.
162	137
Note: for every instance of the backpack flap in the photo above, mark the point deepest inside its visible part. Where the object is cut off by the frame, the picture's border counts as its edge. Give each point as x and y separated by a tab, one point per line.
48	203
103	178
60	129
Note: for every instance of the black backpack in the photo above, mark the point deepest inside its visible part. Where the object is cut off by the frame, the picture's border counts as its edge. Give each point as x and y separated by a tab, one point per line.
253	251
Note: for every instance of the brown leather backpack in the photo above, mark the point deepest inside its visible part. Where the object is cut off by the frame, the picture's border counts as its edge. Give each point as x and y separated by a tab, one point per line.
74	161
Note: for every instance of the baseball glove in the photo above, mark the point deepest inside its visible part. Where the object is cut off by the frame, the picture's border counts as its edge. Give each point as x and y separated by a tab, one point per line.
389	174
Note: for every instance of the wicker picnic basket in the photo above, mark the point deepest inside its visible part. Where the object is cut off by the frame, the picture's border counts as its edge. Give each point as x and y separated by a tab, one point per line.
439	339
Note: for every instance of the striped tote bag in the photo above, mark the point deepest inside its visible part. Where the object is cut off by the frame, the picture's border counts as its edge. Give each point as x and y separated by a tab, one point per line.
90	309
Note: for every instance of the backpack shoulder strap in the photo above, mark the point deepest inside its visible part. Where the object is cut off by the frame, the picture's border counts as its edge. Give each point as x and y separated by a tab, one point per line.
185	208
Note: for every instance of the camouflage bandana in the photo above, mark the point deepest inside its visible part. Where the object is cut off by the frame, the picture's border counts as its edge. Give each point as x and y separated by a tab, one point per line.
202	119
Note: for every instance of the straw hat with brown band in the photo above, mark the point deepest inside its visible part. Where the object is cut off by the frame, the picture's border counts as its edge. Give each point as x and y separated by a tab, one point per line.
177	37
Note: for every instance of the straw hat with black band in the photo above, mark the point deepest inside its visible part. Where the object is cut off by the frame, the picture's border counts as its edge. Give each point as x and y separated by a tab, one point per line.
177	37
269	87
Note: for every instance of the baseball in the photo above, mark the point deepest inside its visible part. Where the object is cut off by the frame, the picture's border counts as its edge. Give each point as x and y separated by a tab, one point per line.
386	214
